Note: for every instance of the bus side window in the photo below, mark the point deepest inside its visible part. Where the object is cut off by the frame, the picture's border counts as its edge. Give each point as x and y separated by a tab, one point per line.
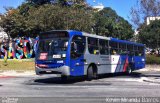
77	46
141	51
123	49
102	46
93	46
130	49
136	50
113	47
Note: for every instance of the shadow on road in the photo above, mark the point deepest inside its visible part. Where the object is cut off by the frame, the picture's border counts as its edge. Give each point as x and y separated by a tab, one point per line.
74	80
57	80
121	75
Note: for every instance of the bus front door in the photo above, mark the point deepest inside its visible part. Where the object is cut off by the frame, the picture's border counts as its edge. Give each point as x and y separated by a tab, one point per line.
77	56
77	66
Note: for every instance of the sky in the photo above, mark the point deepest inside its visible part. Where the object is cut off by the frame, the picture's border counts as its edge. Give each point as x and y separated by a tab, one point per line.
122	7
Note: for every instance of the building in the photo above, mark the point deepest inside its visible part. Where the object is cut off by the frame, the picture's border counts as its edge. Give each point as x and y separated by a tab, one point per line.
149	19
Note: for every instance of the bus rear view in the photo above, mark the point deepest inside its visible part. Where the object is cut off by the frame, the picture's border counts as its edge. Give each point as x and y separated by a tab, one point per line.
51	53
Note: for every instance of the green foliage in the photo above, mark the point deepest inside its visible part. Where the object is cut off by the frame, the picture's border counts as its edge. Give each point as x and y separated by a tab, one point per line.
31	18
46	18
150	34
144	9
108	23
36	19
14	23
152	59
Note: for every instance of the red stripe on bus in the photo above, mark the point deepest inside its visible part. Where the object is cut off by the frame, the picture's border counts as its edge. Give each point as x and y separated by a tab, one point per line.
125	65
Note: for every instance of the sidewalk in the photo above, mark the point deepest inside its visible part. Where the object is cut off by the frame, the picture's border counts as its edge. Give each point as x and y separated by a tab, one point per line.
151	68
17	73
154	68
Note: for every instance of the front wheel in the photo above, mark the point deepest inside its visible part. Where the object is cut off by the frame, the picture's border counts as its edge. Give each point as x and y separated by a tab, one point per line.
64	78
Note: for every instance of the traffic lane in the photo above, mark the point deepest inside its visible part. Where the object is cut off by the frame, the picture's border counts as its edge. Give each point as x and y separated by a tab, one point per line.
44	86
103	79
54	99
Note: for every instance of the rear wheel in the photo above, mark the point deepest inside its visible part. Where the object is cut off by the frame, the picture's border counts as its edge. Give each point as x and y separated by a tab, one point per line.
129	70
91	73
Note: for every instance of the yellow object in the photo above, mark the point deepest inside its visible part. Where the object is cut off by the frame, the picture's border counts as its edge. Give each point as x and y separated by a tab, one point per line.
114	52
94	52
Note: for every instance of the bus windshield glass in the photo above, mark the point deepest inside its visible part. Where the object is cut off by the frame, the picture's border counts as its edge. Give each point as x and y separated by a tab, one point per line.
52	48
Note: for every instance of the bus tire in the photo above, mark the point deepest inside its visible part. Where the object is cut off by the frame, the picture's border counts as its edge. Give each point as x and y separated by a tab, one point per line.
90	74
64	78
129	70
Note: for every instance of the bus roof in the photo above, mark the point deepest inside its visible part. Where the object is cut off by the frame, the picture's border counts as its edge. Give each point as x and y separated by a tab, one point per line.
125	41
96	36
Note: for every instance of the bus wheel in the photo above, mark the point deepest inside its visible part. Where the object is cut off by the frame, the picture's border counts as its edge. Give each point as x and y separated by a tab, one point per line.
64	78
129	70
90	74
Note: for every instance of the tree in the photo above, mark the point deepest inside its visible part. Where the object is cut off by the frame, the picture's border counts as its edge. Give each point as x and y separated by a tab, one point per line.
61	2
29	19
150	35
144	9
109	24
46	17
11	22
36	19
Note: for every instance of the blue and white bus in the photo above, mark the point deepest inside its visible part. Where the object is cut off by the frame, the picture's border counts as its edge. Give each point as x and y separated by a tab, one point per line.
75	53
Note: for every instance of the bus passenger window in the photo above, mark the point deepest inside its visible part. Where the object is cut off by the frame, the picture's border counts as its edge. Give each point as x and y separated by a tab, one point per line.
141	51
93	46
113	47
103	47
136	50
77	46
130	49
73	47
123	49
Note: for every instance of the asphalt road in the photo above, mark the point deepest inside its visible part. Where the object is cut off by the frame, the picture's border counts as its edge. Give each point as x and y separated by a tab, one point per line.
50	89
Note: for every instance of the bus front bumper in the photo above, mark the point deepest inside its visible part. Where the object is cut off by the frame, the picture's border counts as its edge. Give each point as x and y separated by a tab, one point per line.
64	70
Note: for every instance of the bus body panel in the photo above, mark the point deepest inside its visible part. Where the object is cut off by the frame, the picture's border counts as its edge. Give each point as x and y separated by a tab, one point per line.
104	63
119	63
139	62
64	70
135	62
101	64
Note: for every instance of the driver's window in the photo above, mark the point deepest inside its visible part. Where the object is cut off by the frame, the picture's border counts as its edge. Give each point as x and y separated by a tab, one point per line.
77	46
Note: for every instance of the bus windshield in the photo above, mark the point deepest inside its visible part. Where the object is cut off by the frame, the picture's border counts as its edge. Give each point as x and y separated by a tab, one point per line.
49	49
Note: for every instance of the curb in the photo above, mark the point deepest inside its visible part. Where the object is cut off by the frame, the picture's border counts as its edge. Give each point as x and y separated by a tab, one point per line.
151	80
17	73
